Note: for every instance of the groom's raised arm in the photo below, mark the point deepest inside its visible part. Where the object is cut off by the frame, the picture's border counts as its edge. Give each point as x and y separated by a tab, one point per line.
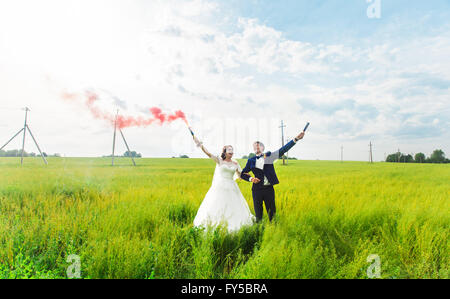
284	149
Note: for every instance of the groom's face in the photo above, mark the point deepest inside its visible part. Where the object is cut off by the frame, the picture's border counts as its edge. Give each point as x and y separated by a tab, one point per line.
258	147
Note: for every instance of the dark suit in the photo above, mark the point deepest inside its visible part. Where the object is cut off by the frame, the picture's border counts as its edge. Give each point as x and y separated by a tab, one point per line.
261	192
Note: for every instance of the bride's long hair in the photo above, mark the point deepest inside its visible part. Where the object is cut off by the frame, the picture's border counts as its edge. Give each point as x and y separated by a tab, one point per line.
224	152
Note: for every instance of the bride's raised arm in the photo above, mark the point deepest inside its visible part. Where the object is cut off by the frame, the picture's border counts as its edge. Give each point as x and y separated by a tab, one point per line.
200	145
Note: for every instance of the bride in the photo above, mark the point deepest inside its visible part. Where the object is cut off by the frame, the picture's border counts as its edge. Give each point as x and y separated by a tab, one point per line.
224	202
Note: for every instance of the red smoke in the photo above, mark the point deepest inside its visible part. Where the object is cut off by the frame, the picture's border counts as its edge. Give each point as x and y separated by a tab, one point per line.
90	98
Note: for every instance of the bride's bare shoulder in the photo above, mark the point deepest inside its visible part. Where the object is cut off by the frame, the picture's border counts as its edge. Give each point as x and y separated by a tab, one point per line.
235	162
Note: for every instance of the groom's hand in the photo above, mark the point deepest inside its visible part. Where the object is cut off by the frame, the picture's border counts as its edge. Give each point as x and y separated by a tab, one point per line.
300	136
255	180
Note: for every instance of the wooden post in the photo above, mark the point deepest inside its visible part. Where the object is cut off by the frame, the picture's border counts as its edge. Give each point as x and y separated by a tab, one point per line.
126	144
35	142
11	139
114	139
24	133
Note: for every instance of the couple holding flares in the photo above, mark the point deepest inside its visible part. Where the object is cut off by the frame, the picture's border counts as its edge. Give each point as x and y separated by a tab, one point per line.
224	202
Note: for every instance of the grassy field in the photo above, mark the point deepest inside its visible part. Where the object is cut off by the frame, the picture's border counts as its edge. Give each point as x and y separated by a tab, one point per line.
136	222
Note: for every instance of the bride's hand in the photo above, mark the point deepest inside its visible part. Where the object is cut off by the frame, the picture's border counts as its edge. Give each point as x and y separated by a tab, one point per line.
256	180
197	142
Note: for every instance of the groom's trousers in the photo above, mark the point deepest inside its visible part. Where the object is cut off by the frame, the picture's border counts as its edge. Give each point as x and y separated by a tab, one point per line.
266	195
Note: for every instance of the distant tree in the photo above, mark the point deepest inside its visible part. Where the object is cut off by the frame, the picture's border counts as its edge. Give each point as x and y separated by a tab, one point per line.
393	158
184	156
438	156
419	158
25	154
399	157
132	154
244	157
251	155
406	159
288	158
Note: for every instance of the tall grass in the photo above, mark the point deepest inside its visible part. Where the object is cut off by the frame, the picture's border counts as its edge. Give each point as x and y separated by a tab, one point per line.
136	222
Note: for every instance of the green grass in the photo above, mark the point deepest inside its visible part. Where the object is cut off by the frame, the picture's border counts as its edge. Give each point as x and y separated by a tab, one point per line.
136	222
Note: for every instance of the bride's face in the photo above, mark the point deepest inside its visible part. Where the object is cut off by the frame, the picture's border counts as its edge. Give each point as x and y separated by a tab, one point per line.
229	152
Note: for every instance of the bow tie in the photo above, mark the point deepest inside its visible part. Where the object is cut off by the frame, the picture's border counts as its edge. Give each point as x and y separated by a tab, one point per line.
257	157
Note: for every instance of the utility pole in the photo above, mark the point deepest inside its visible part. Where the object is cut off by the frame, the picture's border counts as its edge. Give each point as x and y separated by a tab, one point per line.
114	138
128	148
24	129
371	157
24	134
342	153
287	154
282	137
124	141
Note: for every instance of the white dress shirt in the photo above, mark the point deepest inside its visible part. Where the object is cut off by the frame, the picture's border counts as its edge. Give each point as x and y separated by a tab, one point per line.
260	165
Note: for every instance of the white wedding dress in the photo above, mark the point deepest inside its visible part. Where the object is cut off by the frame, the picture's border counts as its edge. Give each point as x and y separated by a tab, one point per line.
224	202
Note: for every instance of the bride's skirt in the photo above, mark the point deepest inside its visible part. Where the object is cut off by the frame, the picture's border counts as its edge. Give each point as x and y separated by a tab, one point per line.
224	204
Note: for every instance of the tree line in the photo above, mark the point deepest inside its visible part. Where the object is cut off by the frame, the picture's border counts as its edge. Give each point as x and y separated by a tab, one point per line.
251	155
127	154
18	153
438	156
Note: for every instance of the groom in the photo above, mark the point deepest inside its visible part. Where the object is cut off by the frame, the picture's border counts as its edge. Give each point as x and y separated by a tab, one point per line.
265	177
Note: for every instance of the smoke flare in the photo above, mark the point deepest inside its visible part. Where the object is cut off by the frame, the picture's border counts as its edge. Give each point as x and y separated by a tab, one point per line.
90	98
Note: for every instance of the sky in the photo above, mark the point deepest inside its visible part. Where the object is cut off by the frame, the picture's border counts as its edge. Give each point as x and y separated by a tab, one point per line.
358	71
